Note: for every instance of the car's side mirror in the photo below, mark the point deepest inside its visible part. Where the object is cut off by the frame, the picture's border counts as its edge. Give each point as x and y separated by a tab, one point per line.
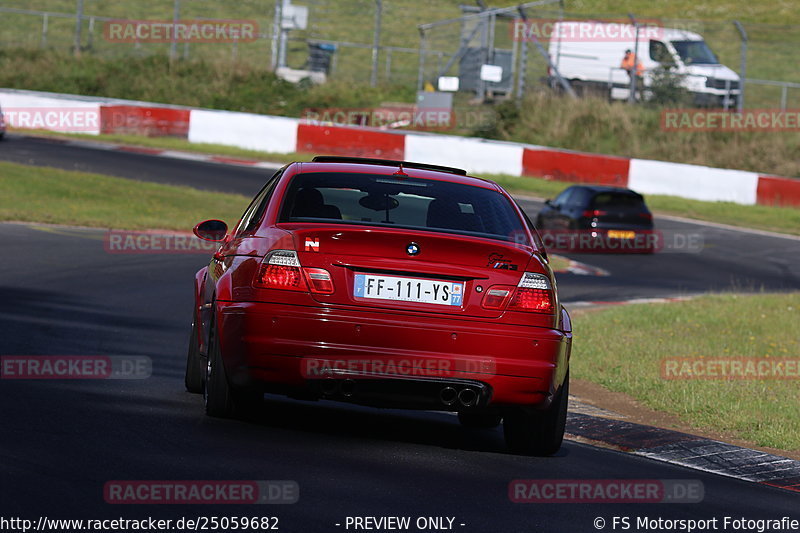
549	203
211	230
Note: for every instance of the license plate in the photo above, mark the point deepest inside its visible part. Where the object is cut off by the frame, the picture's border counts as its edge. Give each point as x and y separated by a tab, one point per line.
616	234
426	291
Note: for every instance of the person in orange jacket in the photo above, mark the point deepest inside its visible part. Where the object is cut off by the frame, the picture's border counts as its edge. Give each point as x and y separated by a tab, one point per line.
627	64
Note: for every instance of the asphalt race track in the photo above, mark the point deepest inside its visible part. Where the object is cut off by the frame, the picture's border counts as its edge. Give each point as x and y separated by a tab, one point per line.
729	259
61	441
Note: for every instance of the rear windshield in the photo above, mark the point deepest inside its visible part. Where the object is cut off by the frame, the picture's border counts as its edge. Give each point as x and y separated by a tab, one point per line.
610	200
414	203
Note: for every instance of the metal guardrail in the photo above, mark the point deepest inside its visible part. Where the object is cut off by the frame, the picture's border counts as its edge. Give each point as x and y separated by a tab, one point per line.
727	87
41	13
784	85
383	48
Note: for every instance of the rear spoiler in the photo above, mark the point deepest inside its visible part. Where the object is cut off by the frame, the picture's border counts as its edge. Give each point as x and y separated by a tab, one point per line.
387	162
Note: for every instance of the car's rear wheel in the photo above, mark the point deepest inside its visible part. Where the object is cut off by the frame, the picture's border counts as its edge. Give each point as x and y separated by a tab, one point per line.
221	399
479	420
538	432
194	364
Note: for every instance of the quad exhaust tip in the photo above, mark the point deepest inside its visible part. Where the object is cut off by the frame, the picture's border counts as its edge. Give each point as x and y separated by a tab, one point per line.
448	395
330	386
468	397
348	388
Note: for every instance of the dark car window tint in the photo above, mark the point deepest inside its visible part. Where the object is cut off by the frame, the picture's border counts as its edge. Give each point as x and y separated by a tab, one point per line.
580	197
402	202
537	239
256	209
618	201
564	197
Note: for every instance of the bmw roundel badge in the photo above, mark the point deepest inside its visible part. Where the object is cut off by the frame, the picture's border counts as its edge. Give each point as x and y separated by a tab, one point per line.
412	248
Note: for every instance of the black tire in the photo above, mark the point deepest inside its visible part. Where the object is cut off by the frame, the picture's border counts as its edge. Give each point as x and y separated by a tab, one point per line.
193	378
537	432
479	420
220	398
217	391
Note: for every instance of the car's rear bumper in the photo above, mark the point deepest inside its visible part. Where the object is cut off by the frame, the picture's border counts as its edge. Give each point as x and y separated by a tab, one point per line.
285	348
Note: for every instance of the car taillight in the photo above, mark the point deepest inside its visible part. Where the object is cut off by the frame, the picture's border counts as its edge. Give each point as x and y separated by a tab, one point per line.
592	213
281	269
497	297
533	294
319	280
533	300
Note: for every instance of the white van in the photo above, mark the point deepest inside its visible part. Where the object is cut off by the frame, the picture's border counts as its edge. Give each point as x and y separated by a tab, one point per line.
589	55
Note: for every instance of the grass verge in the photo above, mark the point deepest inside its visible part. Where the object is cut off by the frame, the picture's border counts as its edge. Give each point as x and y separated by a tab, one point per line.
587	124
779	219
42	194
766	412
558	263
595	125
783	220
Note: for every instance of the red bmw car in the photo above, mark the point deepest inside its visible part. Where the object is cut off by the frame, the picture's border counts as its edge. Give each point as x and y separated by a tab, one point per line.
384	283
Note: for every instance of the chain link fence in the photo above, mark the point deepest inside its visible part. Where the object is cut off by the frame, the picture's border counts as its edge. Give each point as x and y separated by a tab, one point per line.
771	52
355	27
516	40
349	25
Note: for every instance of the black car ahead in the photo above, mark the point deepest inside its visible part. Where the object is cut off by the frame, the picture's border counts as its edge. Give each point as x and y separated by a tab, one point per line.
613	215
598	207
